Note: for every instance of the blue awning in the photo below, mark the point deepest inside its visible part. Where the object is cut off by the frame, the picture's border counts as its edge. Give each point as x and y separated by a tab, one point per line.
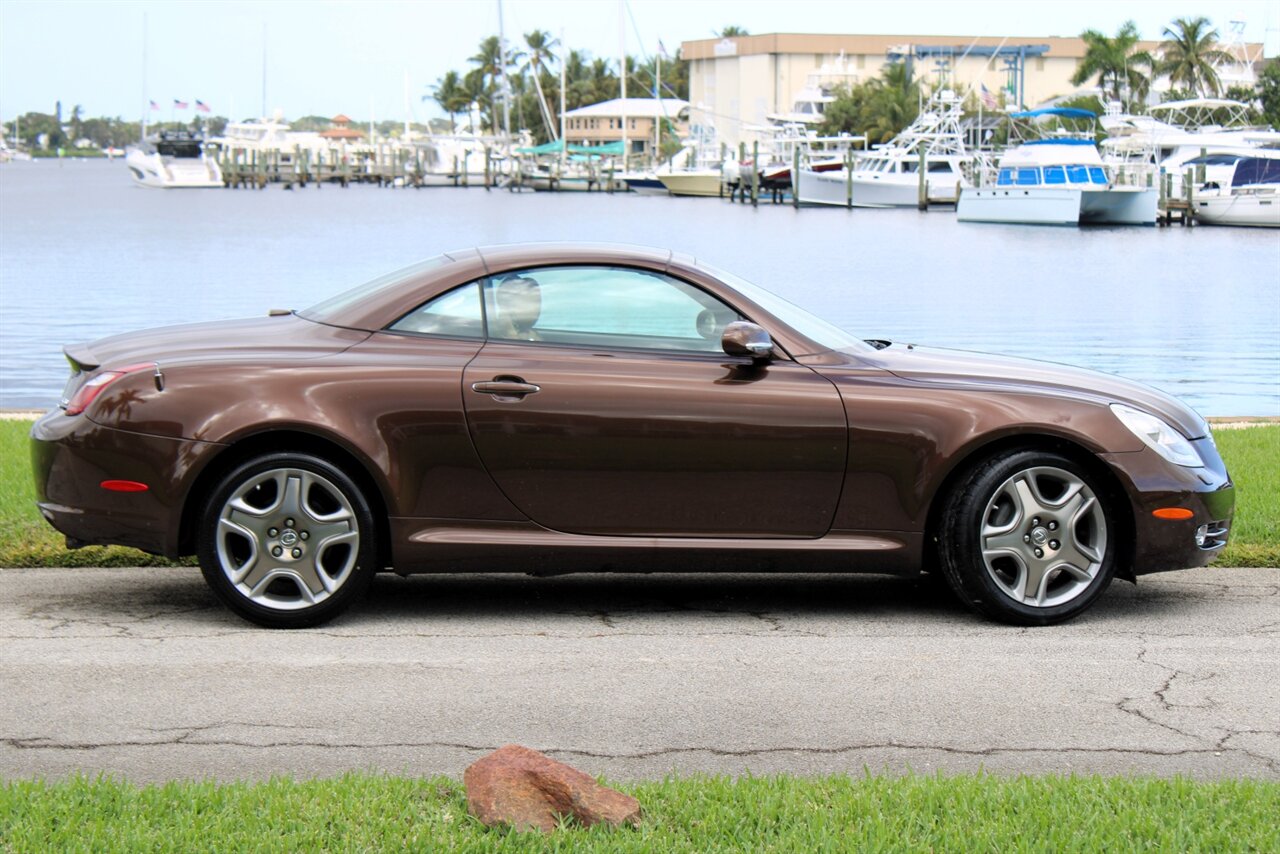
552	147
1061	112
1066	140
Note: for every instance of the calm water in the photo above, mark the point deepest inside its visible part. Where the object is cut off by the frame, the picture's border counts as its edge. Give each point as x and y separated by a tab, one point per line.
1196	312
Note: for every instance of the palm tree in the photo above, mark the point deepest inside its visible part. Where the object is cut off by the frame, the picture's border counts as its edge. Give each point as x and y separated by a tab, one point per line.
731	31
451	95
478	92
1113	61
579	89
491	72
539	57
604	83
1188	55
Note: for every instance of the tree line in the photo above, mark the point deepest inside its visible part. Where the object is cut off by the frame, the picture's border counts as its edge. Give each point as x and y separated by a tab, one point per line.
49	131
532	76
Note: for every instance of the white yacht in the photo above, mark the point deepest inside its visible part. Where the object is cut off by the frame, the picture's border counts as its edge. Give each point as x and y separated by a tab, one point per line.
1250	198
1178	132
1057	180
889	176
268	134
173	160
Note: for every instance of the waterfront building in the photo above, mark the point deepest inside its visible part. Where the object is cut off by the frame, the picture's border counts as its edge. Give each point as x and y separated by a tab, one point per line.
743	80
597	124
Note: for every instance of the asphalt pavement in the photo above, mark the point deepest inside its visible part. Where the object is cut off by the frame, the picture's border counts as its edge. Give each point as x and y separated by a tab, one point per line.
139	673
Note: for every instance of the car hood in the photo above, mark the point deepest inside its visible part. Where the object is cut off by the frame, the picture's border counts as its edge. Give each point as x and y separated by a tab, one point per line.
276	337
1012	374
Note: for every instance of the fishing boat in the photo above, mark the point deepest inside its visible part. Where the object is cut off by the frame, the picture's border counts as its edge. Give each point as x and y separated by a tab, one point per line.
173	160
889	176
1058	179
1252	198
692	182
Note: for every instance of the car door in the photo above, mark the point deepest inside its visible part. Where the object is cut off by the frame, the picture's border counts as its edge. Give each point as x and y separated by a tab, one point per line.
602	403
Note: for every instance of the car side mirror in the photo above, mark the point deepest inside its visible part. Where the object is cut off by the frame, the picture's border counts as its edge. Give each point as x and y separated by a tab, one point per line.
742	338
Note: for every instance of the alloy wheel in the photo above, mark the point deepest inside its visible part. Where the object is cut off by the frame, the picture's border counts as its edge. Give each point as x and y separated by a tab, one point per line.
287	538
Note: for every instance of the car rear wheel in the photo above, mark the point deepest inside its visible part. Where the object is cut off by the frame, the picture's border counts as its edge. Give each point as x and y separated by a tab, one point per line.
286	540
1028	538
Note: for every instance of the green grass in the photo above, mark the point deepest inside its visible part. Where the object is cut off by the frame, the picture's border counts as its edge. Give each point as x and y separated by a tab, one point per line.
1253	458
1252	455
361	812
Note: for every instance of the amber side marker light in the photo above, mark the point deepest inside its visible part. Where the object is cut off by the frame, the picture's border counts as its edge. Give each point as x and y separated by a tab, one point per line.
124	486
1174	513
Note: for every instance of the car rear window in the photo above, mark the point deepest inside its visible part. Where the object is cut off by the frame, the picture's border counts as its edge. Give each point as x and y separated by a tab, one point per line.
334	308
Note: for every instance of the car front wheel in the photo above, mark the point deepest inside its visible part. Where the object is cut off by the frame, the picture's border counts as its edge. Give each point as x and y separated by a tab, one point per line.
1028	538
286	540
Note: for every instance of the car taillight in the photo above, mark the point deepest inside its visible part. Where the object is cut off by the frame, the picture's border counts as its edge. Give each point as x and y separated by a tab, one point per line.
89	391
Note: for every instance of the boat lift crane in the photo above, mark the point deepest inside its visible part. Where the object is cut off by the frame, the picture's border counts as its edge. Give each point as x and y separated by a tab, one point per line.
1013	56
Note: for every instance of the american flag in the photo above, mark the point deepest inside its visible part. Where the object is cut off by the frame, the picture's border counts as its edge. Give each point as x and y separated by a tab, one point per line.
154	105
202	106
988	100
179	105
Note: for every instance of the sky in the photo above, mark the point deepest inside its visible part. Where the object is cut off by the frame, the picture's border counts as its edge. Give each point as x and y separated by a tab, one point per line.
329	56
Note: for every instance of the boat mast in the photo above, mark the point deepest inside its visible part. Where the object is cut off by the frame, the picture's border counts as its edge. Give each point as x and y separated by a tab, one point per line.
406	104
264	70
657	103
146	103
502	61
564	143
622	73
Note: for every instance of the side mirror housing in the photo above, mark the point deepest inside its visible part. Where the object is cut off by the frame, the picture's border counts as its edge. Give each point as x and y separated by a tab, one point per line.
742	338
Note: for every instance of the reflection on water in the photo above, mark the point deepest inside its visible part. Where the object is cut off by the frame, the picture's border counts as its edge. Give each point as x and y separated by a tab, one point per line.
1195	312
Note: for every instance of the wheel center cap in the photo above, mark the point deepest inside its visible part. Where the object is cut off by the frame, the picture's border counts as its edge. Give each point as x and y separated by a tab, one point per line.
1039	536
288	537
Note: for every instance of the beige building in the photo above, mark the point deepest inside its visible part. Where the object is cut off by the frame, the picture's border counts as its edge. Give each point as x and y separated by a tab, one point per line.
738	82
600	123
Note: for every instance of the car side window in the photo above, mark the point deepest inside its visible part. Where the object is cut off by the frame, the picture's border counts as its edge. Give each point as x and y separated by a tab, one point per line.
611	307
454	314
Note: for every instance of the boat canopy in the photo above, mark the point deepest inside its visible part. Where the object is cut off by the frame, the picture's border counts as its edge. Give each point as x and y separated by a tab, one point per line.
1193	103
1060	112
1256	170
608	149
553	147
1060	140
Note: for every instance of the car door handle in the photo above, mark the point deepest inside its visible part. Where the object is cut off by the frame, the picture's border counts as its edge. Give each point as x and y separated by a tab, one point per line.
506	388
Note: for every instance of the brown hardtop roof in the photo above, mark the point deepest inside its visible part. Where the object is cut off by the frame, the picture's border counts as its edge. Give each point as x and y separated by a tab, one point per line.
511	256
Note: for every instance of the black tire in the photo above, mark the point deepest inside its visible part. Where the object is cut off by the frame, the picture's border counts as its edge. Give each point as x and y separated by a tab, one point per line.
1028	561
279	575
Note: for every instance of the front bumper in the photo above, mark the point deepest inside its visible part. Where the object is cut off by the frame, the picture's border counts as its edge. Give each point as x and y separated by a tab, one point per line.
1160	545
71	456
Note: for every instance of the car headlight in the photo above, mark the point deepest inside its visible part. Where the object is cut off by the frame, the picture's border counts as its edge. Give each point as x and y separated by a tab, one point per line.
1158	436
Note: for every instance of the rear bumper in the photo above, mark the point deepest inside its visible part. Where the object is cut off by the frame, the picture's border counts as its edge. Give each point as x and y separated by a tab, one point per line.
1160	545
70	458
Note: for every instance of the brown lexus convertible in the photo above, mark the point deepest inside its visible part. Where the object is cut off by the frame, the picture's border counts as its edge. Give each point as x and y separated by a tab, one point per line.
558	407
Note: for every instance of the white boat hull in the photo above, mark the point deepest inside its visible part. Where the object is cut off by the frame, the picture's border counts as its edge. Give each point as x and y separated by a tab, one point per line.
1260	210
706	183
1120	206
172	173
1058	206
869	191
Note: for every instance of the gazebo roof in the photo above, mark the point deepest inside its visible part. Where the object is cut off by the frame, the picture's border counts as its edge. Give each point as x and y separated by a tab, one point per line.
341	119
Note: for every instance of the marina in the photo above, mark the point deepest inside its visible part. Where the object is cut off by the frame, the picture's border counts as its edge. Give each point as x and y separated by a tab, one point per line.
1106	297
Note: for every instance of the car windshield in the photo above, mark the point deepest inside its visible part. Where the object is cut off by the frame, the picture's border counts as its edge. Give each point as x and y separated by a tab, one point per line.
824	334
332	309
